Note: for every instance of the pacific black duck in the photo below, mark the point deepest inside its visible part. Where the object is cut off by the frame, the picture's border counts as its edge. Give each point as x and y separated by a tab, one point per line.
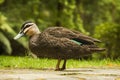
58	42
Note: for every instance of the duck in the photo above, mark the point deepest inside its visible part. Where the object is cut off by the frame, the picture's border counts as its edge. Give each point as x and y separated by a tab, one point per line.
58	43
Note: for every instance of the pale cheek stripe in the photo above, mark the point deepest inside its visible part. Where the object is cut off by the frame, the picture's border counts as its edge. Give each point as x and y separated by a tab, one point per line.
26	29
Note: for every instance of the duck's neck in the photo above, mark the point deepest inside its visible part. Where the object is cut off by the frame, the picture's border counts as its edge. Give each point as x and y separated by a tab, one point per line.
37	31
33	32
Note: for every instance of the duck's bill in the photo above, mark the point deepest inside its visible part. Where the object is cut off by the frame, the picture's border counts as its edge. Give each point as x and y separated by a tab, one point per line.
18	36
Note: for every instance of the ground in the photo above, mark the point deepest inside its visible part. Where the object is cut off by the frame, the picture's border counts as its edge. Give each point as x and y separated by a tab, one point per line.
69	74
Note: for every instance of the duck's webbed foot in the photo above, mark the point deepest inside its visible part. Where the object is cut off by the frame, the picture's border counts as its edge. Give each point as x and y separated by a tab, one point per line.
60	69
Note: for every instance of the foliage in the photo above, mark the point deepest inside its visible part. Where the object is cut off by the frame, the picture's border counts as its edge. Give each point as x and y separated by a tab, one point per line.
5	43
110	35
6	34
108	29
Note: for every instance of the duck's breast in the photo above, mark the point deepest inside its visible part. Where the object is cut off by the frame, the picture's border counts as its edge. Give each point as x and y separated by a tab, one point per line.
40	46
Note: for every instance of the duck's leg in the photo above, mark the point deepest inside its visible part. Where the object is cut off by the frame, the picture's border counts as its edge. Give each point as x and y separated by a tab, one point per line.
64	65
58	65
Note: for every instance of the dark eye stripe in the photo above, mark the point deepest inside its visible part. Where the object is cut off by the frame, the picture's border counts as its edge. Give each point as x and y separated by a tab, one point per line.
27	26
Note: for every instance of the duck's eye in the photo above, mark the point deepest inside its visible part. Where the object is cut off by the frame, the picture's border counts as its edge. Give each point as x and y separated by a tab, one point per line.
27	25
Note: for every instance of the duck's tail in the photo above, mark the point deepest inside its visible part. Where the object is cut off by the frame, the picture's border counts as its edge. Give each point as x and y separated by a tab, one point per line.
97	49
94	48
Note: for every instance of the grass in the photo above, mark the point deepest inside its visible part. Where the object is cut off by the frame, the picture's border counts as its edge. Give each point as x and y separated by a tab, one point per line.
31	63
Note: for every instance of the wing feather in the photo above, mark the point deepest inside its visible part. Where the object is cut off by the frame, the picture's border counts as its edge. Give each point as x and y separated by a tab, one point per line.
61	32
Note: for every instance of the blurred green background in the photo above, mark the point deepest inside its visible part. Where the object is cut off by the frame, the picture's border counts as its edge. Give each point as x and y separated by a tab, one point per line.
96	18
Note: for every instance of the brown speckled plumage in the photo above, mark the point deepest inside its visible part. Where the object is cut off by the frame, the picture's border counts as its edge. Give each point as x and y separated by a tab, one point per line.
56	42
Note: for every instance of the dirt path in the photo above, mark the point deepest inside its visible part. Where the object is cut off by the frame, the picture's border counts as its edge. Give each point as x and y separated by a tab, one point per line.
69	74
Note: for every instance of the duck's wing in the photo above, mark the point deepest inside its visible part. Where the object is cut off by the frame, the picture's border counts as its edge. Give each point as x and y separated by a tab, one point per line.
67	46
76	36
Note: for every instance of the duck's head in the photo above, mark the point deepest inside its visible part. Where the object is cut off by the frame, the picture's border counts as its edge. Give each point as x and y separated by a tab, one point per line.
29	29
